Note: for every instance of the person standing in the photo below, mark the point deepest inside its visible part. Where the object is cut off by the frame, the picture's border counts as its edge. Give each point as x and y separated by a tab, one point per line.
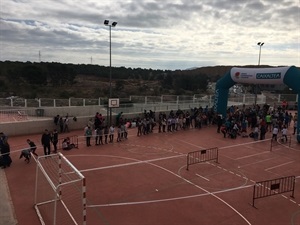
100	133
46	140
295	127
284	134
66	124
5	152
88	135
106	132
61	124
55	140
111	133
263	131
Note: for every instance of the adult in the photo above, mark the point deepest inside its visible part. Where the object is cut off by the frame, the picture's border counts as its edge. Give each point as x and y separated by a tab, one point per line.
5	152
55	140
46	140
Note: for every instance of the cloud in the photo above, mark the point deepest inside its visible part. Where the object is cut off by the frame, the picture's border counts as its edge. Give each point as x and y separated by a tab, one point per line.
152	33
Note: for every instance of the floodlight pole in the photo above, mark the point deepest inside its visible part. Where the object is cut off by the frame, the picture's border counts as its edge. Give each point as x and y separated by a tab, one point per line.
260	44
106	23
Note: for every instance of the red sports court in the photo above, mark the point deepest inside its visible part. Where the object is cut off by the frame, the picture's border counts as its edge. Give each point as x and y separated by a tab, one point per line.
144	180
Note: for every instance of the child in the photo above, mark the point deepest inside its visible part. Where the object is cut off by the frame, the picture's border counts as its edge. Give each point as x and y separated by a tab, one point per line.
32	146
223	130
256	130
284	133
26	154
111	133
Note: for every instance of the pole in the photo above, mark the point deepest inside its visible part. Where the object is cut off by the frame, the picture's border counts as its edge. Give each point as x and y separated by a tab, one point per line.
260	44
110	89
109	112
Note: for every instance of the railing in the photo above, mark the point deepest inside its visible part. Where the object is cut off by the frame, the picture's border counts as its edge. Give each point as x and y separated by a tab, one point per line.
147	100
15	109
277	186
200	156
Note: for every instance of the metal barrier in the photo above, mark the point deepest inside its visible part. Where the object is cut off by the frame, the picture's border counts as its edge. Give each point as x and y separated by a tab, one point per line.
73	140
202	156
281	141
277	186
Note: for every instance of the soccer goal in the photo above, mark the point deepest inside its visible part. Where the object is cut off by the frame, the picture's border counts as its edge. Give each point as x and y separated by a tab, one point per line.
60	196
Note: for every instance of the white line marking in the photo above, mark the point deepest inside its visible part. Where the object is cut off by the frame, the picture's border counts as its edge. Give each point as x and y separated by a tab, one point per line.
130	164
202	177
279	165
257	162
169	199
253	142
248	156
176	175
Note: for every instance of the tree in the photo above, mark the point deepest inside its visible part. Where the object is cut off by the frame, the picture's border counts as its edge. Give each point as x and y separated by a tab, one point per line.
119	85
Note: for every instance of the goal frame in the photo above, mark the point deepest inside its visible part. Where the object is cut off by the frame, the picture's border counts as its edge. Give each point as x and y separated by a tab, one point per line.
56	182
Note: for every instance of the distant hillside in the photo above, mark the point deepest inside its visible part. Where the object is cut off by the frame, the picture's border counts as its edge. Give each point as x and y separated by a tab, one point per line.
57	80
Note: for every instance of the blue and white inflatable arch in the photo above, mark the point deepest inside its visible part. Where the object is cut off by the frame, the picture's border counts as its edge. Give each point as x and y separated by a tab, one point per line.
280	75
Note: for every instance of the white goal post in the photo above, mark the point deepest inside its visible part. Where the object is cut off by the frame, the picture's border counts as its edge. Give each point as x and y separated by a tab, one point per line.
60	191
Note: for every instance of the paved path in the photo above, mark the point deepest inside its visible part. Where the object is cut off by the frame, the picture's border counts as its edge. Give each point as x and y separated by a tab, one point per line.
7	215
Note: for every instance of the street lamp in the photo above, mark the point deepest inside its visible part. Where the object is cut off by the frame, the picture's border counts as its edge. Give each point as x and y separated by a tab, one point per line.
260	44
113	24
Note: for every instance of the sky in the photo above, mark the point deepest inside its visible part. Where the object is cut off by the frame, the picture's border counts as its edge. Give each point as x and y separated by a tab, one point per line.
156	34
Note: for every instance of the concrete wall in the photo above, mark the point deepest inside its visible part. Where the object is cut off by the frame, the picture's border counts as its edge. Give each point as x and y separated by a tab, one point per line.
38	126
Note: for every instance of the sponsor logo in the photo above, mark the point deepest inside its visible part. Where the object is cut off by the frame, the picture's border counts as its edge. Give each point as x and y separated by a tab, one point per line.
268	76
237	74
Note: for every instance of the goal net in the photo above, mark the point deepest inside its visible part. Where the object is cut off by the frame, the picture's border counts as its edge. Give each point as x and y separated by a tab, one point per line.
59	191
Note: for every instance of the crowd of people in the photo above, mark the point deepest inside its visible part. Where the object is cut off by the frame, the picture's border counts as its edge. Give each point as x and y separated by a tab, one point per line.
253	122
256	121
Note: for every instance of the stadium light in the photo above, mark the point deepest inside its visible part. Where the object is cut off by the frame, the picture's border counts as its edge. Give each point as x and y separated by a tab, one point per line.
260	44
113	24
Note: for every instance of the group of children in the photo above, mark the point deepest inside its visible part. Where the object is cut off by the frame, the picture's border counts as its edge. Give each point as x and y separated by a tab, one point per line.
105	134
260	122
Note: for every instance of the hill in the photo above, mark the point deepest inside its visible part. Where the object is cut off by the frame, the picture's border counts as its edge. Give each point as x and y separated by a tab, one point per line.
57	80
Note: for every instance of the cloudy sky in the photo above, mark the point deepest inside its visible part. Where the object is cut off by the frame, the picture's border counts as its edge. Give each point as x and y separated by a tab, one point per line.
157	34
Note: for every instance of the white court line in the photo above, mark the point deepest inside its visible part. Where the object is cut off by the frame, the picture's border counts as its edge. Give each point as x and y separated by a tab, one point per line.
279	165
256	162
248	156
202	177
247	143
169	199
131	163
195	185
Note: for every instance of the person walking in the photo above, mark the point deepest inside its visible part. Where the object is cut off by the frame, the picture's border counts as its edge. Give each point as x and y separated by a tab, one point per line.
46	140
275	133
32	147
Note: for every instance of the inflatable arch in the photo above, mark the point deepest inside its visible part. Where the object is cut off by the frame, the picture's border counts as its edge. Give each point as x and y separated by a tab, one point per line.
280	75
